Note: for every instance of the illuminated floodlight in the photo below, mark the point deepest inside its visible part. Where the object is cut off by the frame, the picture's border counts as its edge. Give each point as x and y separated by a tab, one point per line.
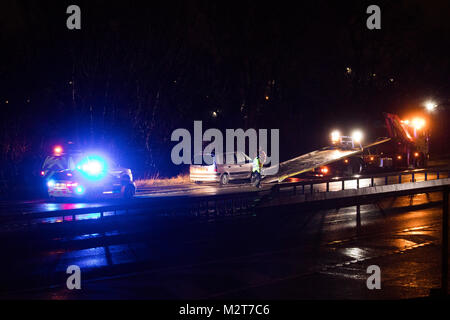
357	136
51	183
418	123
335	136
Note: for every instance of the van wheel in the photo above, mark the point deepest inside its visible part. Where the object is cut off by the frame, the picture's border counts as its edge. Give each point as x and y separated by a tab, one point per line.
224	179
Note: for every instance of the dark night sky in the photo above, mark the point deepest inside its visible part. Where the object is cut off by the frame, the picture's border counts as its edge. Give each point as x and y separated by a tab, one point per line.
138	70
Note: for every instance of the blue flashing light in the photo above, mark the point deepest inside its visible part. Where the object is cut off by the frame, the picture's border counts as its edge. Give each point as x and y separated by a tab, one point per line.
79	190
51	183
93	167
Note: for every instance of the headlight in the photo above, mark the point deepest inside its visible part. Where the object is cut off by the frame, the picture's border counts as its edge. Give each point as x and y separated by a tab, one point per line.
79	190
51	183
357	136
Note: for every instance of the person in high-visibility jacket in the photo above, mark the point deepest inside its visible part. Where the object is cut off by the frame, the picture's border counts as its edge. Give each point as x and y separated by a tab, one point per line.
256	172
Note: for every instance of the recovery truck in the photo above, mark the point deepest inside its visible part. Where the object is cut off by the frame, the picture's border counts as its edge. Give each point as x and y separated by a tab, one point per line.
405	147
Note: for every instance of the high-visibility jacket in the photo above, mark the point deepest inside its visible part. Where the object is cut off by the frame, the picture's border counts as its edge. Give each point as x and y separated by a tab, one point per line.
256	165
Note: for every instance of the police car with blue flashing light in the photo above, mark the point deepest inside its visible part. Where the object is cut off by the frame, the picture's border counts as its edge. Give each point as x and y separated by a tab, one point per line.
79	174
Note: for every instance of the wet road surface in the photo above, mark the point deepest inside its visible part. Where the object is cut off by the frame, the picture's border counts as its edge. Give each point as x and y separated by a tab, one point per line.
281	255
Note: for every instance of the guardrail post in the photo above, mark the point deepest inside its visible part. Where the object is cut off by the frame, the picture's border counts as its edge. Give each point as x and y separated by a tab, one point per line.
358	216
426	176
343	184
437	175
445	207
312	188
328	186
303	188
357	183
386	180
295	190
399	178
372	181
413	177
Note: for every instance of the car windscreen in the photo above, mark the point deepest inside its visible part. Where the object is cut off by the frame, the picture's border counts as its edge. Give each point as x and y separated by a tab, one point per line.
56	163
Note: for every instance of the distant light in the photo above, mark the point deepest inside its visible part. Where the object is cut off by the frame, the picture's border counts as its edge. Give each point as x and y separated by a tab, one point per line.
58	150
391	79
346	160
6	101
357	136
372	158
348	70
267	97
324	170
399	157
51	183
214	114
416	154
335	136
42	173
430	105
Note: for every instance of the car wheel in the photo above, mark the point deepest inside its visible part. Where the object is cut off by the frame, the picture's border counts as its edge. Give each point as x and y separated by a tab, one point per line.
224	179
129	192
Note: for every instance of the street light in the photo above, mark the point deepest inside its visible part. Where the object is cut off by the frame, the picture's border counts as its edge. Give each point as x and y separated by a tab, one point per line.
430	105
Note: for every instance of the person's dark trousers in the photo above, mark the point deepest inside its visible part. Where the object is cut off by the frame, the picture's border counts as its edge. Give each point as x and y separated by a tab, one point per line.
256	179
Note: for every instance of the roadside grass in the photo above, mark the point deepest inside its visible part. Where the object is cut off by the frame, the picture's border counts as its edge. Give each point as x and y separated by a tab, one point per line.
157	181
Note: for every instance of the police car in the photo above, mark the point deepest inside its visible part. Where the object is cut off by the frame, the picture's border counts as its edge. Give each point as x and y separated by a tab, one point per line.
79	174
